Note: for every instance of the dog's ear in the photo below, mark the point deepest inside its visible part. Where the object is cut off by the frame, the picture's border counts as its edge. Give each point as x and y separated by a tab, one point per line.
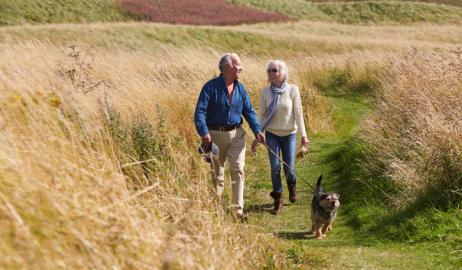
338	195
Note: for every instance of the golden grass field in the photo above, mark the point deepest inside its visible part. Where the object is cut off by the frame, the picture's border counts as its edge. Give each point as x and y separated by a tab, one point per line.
69	195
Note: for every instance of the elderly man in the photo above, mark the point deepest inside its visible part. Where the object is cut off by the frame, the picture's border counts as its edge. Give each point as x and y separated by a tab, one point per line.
222	101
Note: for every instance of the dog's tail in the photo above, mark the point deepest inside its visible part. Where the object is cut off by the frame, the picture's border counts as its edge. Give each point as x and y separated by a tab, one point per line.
318	185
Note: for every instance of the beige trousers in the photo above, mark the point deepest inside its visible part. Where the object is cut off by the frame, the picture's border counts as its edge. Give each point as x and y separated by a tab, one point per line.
231	146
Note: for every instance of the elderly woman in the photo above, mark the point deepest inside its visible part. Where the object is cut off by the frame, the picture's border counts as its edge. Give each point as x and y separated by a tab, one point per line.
281	116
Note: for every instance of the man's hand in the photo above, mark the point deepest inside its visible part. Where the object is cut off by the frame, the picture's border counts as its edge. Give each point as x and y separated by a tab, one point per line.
206	139
261	137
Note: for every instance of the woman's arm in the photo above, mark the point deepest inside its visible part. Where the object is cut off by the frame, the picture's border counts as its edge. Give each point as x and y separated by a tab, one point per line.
263	106
261	115
298	114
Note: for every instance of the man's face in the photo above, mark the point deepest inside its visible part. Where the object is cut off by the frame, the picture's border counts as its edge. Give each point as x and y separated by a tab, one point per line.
234	69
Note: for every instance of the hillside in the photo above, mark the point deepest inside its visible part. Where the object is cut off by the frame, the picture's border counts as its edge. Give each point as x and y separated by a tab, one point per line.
444	2
202	12
39	12
362	12
234	12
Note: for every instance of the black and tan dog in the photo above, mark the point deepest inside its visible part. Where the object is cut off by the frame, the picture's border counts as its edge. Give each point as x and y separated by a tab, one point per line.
323	210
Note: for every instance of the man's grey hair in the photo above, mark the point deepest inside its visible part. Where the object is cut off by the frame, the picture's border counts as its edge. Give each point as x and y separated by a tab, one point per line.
226	59
282	66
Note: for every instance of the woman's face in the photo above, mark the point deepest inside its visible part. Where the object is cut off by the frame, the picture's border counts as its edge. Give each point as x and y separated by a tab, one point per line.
274	74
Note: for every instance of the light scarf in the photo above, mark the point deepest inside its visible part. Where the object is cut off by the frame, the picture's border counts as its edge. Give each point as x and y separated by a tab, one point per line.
276	92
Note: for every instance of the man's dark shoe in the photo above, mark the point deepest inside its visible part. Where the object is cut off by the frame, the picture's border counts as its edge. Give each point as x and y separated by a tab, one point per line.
278	203
292	192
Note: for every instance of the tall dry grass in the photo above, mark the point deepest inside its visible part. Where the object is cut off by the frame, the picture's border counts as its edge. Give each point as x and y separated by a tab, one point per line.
414	136
75	121
66	201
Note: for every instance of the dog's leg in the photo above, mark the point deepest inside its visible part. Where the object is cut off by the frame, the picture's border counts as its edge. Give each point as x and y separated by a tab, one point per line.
319	234
325	229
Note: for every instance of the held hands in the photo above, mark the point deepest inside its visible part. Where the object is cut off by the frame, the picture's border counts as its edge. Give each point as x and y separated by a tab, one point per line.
260	138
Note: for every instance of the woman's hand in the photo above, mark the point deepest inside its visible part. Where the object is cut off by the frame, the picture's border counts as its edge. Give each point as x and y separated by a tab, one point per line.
303	150
305	142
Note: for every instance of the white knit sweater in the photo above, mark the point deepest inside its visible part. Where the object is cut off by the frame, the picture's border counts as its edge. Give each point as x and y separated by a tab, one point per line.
288	117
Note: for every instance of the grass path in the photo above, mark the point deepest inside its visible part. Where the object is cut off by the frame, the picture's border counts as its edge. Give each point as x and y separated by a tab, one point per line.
344	248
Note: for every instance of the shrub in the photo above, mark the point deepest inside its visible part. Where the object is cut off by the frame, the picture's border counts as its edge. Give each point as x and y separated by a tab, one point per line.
140	144
345	80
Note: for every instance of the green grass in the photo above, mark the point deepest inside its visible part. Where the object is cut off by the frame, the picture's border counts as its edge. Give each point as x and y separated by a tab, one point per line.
363	12
347	246
13	12
367	234
146	37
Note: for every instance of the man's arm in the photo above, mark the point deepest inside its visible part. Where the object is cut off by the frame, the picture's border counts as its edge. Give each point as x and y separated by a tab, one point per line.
251	117
201	112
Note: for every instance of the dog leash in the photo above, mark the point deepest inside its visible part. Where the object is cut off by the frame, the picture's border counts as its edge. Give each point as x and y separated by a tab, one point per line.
293	169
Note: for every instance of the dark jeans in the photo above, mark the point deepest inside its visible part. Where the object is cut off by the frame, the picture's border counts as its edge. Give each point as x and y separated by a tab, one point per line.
286	145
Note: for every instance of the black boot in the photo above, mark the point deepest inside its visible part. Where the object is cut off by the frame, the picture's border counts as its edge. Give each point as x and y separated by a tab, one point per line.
292	192
278	204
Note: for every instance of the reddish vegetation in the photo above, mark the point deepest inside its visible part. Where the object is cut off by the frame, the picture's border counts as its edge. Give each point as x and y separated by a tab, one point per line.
197	12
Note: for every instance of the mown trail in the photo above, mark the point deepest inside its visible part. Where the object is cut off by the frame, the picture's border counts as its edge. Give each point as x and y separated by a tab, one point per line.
344	247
